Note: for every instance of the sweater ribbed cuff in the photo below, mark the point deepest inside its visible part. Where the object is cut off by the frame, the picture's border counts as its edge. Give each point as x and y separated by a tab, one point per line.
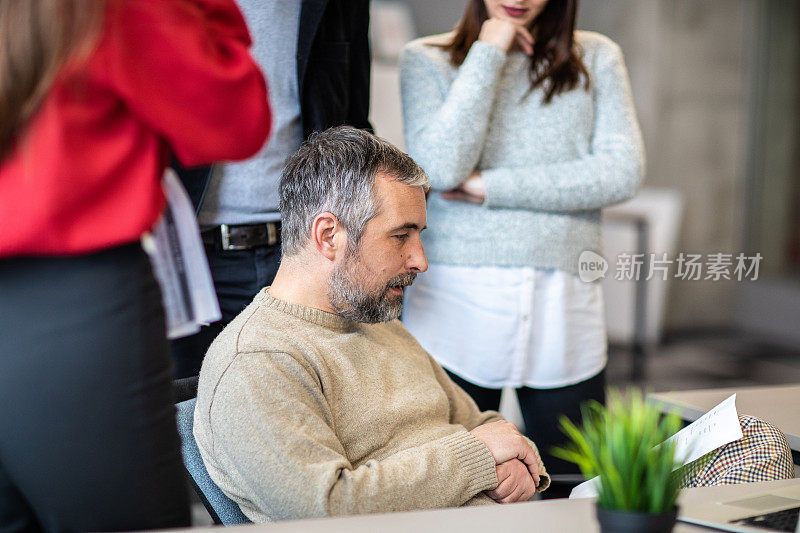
476	459
489	54
500	189
482	67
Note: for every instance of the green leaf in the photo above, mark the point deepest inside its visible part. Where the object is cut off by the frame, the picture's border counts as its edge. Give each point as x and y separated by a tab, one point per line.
617	443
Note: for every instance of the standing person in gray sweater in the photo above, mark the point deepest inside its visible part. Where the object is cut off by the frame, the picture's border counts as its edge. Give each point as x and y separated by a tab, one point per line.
526	129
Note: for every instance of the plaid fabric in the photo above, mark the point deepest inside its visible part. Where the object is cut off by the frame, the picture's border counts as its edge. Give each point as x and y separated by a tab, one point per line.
762	454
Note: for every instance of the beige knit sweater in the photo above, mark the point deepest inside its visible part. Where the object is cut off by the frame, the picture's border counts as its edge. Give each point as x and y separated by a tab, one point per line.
302	413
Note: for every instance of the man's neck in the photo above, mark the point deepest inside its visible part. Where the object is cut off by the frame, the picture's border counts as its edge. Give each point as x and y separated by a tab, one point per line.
297	282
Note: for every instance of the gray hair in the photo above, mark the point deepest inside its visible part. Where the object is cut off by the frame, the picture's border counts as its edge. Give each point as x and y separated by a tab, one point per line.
334	171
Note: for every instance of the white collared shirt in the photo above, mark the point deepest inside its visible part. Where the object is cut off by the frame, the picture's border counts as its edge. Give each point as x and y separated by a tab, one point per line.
509	327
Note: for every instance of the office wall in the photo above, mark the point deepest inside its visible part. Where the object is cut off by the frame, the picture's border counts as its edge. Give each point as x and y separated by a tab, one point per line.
688	62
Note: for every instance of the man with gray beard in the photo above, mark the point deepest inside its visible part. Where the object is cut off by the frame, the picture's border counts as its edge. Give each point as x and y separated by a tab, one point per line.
315	400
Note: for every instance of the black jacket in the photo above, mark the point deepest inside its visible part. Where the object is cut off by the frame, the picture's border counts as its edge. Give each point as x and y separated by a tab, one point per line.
333	69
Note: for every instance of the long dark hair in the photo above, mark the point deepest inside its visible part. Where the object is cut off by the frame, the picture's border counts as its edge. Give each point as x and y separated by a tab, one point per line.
556	64
36	38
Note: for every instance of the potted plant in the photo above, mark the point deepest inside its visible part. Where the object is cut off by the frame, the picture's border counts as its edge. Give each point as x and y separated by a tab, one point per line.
621	444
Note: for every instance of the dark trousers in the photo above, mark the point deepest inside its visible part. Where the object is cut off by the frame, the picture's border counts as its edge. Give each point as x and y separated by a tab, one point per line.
541	409
238	276
88	439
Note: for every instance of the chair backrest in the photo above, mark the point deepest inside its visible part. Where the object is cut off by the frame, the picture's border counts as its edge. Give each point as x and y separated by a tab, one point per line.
221	508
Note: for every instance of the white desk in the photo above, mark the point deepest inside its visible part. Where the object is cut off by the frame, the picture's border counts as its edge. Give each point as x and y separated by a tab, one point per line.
779	405
564	516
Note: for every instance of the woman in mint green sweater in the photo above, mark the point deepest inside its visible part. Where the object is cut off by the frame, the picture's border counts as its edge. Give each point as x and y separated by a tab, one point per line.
527	130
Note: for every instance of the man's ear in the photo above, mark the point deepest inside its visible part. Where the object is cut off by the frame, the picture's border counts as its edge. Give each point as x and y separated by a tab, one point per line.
328	235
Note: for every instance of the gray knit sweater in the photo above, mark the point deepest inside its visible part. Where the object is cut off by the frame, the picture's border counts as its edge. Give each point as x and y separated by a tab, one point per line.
548	168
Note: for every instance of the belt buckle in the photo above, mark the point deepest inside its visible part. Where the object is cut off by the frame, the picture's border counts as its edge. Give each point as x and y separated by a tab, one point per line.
272	234
226	239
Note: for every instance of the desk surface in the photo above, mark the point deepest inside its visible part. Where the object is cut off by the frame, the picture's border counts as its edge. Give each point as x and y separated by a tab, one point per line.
549	515
779	405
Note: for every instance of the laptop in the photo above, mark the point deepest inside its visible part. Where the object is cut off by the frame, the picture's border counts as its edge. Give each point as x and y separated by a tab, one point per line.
771	510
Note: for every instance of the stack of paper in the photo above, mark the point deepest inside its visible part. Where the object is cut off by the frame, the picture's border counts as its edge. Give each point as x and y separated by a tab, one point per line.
180	264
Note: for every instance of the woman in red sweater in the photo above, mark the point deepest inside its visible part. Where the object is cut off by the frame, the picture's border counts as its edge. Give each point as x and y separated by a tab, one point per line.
94	96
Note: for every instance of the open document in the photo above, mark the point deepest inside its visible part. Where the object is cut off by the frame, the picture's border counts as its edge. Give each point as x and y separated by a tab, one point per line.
713	430
180	264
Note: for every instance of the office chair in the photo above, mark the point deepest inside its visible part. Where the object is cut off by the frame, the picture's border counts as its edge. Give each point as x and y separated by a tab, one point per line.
222	509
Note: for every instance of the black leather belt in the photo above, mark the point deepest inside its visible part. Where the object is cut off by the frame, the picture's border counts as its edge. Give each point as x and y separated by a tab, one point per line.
244	236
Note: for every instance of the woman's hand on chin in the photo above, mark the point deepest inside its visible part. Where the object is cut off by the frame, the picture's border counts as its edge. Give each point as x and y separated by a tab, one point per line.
503	34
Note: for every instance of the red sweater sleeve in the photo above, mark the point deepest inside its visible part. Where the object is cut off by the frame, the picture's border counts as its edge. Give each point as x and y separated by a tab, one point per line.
200	90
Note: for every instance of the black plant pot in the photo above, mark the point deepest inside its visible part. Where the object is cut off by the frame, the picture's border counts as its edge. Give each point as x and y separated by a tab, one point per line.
628	522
